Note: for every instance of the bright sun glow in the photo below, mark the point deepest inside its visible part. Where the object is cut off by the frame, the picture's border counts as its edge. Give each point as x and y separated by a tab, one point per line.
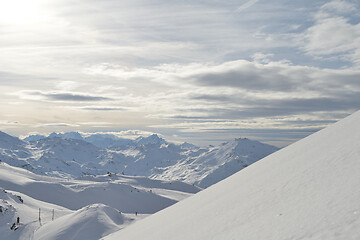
19	11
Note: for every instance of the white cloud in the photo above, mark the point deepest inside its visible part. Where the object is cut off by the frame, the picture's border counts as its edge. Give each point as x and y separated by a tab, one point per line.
333	34
198	97
59	96
262	58
67	85
8	122
102	108
135	64
246	5
338	6
57	124
95	123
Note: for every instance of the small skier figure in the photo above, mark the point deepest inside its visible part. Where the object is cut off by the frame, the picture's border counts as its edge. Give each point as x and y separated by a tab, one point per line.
135	213
18	220
13	226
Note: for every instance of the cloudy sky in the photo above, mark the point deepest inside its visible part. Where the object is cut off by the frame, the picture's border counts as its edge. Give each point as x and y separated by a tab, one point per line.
200	71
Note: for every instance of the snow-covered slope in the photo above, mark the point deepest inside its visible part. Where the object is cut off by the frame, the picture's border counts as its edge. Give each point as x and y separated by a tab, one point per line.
72	135
153	139
93	202
89	223
67	155
218	163
9	142
107	140
14	205
125	194
34	137
309	190
103	140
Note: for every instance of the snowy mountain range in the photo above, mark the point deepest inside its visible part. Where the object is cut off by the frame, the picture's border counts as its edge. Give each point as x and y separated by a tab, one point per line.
103	140
71	155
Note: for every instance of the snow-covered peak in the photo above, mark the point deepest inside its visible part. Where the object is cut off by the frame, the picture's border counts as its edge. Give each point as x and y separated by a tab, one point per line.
62	155
205	167
103	140
245	145
34	137
7	141
59	141
188	145
152	139
72	135
66	155
107	140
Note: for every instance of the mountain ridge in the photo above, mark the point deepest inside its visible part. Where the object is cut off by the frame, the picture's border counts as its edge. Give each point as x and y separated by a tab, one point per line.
63	156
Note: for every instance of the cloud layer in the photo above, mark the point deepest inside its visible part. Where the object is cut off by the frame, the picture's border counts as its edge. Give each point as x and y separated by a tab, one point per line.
219	68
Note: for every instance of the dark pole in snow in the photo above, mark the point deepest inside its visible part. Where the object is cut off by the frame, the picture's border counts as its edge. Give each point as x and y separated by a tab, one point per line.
39	215
53	214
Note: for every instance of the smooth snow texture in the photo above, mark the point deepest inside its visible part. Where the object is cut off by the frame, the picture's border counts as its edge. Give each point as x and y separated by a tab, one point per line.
309	190
127	194
89	223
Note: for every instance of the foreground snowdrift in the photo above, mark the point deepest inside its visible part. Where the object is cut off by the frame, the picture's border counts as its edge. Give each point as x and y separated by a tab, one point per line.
309	190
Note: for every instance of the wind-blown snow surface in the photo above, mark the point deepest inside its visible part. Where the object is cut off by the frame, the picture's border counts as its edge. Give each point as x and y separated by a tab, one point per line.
70	155
309	190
